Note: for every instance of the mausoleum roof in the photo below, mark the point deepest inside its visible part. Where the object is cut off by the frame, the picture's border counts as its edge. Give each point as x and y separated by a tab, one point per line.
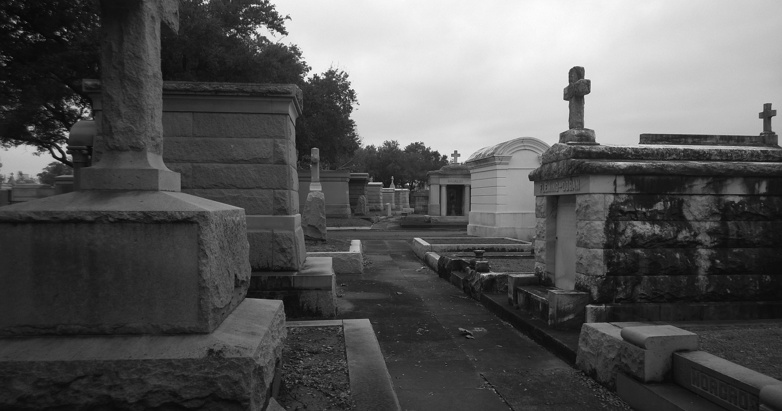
452	169
508	148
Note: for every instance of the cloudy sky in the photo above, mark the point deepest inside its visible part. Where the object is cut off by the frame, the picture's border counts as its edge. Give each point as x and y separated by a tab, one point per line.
461	75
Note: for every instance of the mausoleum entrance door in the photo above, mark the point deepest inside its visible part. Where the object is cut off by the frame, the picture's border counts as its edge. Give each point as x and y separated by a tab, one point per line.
455	194
565	251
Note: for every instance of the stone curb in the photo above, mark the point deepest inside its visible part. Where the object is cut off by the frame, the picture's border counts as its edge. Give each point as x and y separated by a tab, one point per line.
345	262
370	383
347	228
537	332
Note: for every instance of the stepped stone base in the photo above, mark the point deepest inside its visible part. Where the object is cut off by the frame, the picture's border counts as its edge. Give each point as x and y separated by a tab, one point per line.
307	293
559	308
230	368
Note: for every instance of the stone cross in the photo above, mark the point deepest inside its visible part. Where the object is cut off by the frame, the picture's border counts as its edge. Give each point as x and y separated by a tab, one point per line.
574	93
131	144
766	115
315	170
392	183
455	155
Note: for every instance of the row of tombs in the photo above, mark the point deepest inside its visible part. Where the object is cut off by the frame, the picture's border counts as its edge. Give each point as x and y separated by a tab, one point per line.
677	227
676	219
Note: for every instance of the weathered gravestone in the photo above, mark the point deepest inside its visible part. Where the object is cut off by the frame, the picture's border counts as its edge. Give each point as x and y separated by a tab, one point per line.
374	196
138	302
681	227
334	184
503	198
315	206
357	188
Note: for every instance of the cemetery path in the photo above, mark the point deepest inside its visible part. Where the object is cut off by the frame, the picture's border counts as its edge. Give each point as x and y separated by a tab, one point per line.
434	366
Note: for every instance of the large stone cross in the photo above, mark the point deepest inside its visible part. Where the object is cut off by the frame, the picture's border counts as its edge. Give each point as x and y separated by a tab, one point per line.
766	115
574	93
455	155
131	124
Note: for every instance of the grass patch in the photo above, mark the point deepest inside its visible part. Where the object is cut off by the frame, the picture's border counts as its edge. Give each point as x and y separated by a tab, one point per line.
348	222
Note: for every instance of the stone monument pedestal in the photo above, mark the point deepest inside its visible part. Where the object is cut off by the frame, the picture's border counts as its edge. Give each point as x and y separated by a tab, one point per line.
307	293
205	371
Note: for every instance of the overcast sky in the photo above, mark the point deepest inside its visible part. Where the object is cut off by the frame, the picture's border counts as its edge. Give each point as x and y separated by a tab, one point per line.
462	75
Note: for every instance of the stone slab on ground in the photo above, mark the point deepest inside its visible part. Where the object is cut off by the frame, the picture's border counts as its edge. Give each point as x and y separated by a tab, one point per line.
344	262
188	371
307	293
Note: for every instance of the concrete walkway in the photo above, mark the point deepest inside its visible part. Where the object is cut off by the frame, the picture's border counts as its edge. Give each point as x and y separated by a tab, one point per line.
416	317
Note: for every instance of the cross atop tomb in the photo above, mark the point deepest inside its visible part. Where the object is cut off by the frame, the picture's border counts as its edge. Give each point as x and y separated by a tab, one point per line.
766	115
574	93
455	157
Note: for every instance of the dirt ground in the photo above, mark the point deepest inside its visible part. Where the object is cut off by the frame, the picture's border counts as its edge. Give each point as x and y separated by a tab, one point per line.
315	370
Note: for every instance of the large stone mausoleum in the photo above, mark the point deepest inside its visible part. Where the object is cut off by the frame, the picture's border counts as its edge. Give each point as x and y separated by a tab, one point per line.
678	227
502	200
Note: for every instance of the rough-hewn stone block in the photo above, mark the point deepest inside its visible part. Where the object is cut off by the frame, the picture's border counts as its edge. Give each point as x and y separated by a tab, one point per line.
591	207
616	289
683	234
288	250
261	249
177	125
184	263
540	207
286	202
284	151
239	125
253	201
589	261
693	261
590	234
242	176
230	368
217	150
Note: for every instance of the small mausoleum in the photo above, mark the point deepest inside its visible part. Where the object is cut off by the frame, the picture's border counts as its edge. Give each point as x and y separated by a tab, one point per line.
679	227
503	199
449	191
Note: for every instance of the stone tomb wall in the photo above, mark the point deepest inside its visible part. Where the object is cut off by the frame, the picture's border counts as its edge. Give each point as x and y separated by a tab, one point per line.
335	188
661	224
235	144
375	196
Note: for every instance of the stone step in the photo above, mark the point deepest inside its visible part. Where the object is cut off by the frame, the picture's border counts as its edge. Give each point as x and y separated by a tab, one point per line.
533	299
660	397
559	308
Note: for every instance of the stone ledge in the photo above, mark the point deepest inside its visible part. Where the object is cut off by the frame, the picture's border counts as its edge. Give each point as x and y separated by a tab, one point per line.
344	262
231	367
720	381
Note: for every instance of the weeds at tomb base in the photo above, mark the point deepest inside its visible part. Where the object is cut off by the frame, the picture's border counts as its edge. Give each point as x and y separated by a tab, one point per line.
315	370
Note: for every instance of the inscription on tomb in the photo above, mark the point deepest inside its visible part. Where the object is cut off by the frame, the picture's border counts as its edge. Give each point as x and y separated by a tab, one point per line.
562	186
718	390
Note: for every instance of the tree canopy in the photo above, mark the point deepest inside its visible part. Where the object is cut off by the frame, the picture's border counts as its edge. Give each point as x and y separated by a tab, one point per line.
326	123
48	46
407	166
52	171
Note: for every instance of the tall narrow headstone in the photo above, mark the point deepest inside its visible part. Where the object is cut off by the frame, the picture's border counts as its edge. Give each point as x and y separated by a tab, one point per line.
315	170
315	205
